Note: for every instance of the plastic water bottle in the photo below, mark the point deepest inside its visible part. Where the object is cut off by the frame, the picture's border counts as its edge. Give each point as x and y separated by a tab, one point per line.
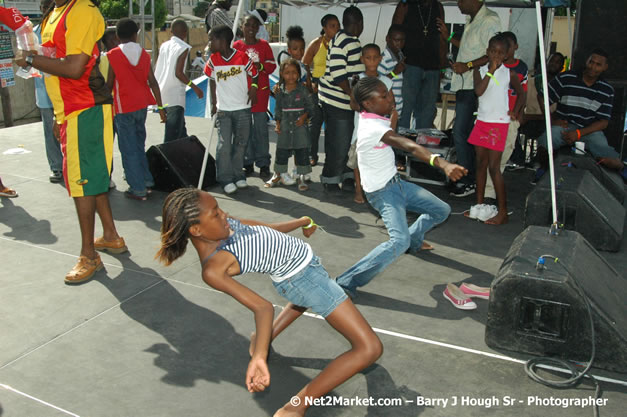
27	41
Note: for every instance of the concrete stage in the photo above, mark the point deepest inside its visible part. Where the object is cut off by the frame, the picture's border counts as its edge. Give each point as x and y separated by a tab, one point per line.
141	339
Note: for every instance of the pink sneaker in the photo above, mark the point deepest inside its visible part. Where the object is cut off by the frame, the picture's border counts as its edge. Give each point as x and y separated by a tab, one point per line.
458	298
475	292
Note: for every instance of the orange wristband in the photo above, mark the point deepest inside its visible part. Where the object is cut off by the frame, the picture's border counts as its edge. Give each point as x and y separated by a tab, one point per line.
578	134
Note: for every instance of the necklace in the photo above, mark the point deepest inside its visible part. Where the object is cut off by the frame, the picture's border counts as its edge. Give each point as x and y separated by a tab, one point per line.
425	30
62	9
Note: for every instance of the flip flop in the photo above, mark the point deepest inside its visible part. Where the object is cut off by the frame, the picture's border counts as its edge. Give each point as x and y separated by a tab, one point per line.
8	192
425	246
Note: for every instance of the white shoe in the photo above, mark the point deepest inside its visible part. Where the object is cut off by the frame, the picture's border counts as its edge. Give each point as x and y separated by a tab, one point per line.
241	184
296	175
230	188
273	181
286	179
487	212
475	210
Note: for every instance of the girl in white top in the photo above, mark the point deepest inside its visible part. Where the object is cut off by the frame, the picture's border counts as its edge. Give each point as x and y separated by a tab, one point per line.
490	132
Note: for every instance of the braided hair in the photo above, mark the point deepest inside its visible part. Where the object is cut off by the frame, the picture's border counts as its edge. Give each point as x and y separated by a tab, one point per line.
180	211
364	89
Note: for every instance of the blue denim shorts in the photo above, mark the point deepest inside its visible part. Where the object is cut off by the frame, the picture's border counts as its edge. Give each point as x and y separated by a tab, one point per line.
312	288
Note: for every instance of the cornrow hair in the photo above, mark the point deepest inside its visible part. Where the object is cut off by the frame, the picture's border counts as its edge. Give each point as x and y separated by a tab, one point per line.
288	61
365	88
180	212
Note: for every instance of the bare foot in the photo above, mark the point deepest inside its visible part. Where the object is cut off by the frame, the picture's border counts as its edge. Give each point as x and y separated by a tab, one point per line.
359	199
500	218
426	246
251	348
288	410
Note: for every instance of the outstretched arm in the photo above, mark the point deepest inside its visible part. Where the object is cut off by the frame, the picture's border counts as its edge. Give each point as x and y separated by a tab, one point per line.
216	275
283	227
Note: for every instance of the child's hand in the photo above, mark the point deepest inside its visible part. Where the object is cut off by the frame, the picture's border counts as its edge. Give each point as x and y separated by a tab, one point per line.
301	120
252	96
56	131
257	375
494	64
163	115
198	91
278	127
276	89
310	228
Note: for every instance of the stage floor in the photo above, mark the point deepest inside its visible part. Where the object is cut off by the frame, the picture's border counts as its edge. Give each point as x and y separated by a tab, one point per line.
141	339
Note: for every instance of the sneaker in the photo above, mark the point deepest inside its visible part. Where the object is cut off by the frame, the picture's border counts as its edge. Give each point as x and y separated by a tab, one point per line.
463	190
537	176
264	173
458	298
302	185
241	184
474	291
112	246
133	196
348	185
286	179
475	210
84	269
249	170
230	188
56	177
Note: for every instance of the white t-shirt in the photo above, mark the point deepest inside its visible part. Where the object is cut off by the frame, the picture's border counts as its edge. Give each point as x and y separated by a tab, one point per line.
172	89
231	77
388	84
494	102
375	158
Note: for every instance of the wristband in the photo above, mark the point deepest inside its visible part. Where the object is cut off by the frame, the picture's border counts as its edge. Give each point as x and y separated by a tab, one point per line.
432	160
260	66
492	76
254	85
393	75
161	107
189	83
578	134
450	37
311	223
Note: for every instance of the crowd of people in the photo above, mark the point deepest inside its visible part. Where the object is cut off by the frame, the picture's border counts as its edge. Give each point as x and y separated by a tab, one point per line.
362	94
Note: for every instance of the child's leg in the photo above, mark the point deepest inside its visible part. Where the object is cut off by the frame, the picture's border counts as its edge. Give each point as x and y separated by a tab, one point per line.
359	194
366	348
286	317
482	171
242	121
494	166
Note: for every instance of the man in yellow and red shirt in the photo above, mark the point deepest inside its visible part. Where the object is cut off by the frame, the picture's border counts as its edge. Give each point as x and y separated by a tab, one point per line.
84	119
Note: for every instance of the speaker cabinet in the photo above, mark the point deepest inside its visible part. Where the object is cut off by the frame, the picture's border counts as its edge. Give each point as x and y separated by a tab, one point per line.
543	311
583	204
177	164
611	180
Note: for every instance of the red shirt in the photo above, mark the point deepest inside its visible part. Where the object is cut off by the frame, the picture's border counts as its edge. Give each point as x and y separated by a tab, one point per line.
131	91
260	52
521	70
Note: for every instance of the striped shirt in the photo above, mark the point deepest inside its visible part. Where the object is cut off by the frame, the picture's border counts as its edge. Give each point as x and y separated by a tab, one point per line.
343	62
387	65
579	104
264	250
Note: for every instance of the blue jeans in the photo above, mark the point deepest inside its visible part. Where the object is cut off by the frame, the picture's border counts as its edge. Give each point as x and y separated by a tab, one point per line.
465	107
420	92
301	160
53	148
131	128
258	150
312	288
175	123
596	142
233	131
392	203
338	133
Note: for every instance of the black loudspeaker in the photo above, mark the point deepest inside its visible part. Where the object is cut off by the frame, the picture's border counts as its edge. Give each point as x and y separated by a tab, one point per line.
583	204
177	164
543	311
611	180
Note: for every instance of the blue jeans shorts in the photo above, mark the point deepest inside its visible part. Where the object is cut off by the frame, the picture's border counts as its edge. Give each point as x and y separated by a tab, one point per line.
312	288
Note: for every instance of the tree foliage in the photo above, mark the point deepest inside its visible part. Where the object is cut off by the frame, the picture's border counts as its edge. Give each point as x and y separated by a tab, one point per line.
117	9
201	8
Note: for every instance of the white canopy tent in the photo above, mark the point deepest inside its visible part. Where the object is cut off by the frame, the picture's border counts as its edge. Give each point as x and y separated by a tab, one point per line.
326	4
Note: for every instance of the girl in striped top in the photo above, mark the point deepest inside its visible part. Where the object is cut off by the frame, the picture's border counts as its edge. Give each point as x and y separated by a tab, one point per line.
228	247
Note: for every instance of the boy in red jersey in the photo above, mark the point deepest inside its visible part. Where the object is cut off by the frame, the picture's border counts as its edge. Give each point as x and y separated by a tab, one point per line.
232	95
131	79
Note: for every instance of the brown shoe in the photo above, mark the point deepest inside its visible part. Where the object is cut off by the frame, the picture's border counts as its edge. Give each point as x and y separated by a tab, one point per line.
84	269
112	246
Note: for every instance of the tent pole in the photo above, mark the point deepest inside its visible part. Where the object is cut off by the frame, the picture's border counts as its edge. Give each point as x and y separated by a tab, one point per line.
547	116
570	33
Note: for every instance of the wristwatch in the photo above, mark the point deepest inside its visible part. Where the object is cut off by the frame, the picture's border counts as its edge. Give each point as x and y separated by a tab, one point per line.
29	60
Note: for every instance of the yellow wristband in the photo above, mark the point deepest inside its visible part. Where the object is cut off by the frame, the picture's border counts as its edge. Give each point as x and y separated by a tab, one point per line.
432	159
393	75
311	223
254	85
189	83
492	76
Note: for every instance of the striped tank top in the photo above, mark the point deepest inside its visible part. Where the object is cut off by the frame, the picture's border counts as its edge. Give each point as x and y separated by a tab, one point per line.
266	251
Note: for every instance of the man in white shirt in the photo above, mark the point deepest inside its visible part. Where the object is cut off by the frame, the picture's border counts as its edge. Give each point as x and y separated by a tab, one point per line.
170	74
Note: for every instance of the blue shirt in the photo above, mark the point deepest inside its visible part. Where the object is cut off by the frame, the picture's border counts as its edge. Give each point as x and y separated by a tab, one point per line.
579	104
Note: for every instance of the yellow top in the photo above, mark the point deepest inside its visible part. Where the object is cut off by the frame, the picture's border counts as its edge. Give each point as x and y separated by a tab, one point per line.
320	61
